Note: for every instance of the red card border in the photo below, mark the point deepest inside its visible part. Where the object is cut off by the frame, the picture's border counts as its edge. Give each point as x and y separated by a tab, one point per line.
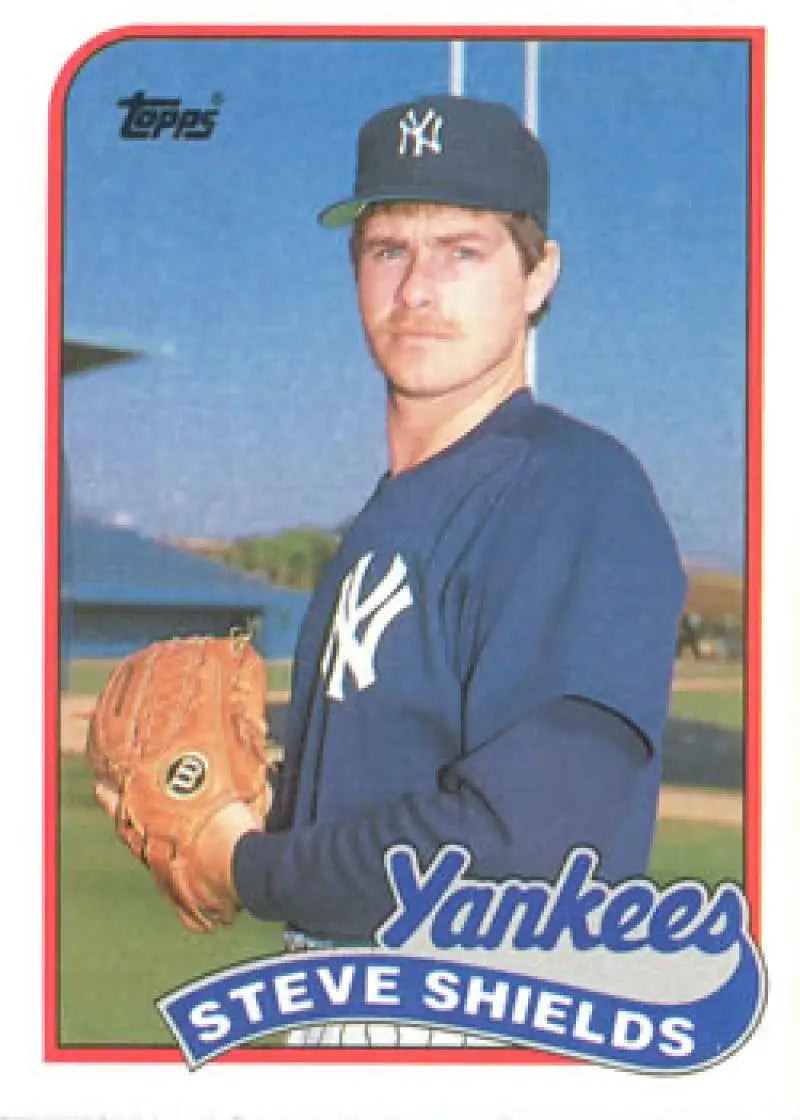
53	1051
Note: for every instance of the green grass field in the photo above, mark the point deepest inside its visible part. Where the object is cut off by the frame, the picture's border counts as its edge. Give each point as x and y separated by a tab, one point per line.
687	666
121	946
724	709
687	849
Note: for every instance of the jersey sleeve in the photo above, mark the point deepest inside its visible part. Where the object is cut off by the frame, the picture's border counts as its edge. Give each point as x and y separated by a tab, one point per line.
581	594
519	803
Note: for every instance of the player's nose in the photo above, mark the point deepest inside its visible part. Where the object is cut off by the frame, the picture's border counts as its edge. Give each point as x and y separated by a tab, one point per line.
417	287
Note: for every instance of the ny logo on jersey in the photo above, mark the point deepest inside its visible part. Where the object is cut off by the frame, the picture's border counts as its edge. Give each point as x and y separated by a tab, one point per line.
358	625
412	129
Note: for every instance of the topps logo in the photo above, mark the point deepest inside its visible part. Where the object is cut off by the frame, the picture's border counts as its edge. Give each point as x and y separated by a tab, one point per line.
148	118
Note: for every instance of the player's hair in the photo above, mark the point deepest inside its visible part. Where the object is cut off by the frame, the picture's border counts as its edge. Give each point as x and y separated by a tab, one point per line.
526	233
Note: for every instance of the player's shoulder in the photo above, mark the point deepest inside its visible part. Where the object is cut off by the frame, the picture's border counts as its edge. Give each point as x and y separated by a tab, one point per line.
589	489
555	442
570	472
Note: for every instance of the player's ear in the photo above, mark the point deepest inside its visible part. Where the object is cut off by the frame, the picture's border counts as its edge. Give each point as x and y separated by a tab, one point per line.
541	281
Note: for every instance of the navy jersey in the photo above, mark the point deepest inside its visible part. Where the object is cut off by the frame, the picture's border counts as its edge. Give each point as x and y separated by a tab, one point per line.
486	661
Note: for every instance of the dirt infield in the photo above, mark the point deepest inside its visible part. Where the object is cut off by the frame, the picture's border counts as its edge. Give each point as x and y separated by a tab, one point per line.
76	710
706	684
682	803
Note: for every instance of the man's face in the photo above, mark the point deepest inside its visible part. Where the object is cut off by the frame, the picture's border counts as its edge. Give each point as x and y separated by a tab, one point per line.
444	299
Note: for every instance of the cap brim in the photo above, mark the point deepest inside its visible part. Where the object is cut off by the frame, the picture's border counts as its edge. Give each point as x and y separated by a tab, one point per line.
342	213
345	212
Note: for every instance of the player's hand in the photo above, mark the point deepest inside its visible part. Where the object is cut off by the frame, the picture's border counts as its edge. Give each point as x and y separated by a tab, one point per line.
210	889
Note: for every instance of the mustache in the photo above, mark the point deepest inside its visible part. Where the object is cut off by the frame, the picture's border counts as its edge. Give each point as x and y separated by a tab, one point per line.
404	323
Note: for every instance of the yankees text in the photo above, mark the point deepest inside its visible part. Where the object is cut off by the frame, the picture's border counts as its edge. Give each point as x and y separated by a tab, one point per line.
454	912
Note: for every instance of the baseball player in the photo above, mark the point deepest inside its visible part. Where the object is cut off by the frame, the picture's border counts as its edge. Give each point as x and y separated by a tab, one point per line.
487	659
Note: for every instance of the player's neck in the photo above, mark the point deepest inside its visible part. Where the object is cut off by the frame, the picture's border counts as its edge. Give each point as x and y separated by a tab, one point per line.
420	427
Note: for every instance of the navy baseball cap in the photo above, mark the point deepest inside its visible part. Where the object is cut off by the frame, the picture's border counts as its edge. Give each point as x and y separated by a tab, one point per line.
453	150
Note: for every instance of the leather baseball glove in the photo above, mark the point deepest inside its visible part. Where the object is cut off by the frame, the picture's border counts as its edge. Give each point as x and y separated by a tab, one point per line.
178	735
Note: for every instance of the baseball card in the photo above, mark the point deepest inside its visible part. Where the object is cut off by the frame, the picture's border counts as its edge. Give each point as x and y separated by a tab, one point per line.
415	682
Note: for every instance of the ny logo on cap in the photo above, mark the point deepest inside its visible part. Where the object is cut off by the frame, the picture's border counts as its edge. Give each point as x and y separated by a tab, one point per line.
412	129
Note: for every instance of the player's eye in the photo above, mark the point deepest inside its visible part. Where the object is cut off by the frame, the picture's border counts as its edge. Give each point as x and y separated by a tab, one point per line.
466	253
388	251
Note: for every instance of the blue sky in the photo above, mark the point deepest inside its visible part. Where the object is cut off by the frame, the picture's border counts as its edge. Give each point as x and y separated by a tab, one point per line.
259	407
